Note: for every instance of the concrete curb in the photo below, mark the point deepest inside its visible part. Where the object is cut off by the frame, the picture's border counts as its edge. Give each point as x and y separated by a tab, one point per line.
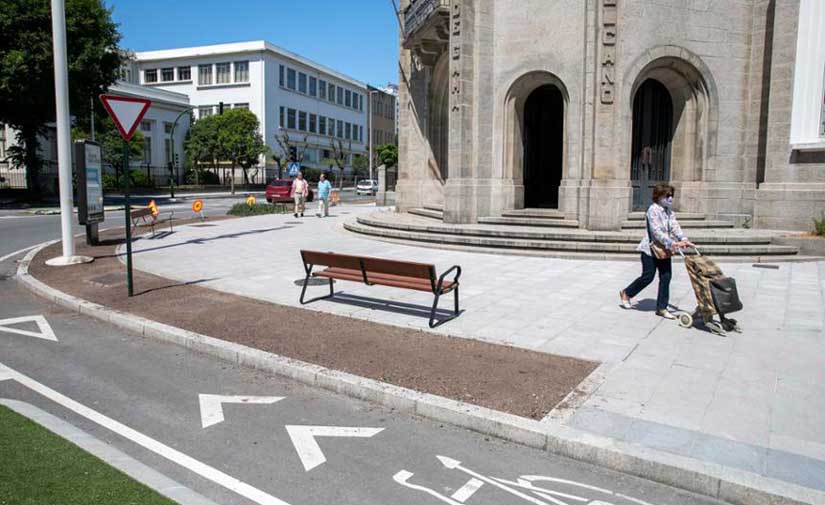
114	457
733	486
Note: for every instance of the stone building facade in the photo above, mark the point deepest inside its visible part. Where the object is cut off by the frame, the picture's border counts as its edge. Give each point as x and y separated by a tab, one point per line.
584	105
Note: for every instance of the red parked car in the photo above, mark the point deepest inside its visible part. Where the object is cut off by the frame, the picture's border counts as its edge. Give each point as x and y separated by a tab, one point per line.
278	191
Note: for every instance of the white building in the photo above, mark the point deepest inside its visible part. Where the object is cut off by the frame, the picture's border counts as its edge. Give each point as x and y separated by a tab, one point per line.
392	89
283	89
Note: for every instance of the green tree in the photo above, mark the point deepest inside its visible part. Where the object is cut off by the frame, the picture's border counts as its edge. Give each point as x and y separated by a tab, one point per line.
388	154
360	166
239	139
289	150
27	100
111	143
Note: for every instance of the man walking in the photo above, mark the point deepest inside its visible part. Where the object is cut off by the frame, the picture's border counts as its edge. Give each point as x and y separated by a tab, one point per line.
300	190
324	189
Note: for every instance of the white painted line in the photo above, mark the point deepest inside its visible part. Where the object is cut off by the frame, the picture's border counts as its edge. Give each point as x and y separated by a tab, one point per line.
15	253
467	490
212	405
46	332
403	478
303	438
175	456
456	465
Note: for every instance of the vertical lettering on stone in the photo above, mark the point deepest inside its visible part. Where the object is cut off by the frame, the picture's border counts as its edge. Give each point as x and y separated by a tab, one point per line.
610	18
455	53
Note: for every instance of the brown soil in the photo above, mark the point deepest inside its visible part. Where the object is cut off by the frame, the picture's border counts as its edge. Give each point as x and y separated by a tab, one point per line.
517	381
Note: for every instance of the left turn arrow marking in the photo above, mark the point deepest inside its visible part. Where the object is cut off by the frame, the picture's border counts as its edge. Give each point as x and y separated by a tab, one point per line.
46	332
212	405
303	438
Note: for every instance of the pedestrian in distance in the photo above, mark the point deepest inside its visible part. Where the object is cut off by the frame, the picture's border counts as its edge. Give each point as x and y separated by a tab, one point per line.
324	190
663	237
299	191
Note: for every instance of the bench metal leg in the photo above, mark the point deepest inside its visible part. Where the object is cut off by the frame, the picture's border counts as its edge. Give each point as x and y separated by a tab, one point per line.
433	322
304	290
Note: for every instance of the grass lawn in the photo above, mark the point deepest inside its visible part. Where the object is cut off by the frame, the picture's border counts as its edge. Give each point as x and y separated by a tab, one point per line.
38	467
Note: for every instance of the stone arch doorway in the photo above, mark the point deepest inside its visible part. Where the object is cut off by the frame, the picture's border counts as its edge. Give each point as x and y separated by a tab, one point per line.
543	145
652	140
438	124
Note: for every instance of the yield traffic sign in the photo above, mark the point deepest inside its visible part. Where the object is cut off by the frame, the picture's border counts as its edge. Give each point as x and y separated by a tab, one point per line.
126	112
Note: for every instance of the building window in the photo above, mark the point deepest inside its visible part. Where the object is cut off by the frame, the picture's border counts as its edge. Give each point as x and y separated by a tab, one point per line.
331	92
348	99
340	96
222	73
204	75
145	126
290	78
290	119
302	121
281	75
167	144
361	133
150	76
313	86
281	117
322	89
313	119
241	71
147	150
348	131
167	127
330	127
302	82
184	73
340	129
167	74
204	111
241	106
322	124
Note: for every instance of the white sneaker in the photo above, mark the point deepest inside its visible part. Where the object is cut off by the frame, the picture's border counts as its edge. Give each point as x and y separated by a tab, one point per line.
625	303
665	314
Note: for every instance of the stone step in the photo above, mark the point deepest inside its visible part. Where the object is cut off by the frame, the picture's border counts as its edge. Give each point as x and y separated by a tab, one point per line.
534	213
430	213
682	216
633	225
435	208
556	246
409	223
530	221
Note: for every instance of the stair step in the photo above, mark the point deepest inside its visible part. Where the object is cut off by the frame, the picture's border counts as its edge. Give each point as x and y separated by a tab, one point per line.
430	213
632	225
530	221
565	246
534	213
682	216
436	208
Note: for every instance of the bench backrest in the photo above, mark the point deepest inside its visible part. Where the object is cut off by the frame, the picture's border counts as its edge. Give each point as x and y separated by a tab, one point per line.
375	265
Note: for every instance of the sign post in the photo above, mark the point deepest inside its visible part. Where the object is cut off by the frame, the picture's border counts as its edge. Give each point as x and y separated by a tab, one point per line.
89	188
126	113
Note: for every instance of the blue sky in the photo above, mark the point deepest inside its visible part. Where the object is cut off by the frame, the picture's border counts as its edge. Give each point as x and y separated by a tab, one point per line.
356	37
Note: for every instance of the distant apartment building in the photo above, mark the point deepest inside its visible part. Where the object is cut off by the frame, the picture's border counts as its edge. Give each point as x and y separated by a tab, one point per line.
382	112
284	90
392	89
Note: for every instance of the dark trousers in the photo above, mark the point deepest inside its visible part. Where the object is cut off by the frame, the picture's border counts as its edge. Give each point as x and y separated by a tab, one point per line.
649	267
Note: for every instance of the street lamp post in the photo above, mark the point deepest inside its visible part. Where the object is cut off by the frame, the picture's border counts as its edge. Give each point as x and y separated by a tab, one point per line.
369	127
172	145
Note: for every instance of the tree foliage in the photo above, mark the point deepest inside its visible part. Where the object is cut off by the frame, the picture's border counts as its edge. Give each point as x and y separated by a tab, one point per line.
27	97
388	154
289	150
111	143
233	136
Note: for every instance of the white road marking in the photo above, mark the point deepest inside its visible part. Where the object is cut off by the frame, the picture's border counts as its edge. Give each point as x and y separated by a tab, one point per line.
212	405
15	253
310	453
456	465
202	469
46	332
467	490
539	490
403	478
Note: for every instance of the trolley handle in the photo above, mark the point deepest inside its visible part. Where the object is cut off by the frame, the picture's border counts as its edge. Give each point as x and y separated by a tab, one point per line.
682	254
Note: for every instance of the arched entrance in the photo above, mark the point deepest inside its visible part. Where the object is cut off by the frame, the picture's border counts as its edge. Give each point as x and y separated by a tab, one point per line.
543	144
652	139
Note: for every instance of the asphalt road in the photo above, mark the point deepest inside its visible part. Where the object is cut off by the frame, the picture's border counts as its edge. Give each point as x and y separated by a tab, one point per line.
144	397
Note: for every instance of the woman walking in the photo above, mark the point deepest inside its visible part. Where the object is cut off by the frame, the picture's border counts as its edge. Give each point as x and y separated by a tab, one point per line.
662	238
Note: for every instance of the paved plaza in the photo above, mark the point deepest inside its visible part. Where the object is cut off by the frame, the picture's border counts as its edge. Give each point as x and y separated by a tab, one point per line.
753	401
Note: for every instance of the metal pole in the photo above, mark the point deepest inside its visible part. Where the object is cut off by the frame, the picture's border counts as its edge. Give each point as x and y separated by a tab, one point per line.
128	214
64	139
369	122
172	142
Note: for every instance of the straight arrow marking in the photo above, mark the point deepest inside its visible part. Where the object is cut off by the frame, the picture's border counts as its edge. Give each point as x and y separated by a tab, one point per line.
212	405
303	438
46	332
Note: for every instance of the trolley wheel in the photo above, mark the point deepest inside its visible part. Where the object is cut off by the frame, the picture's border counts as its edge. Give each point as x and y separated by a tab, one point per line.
685	320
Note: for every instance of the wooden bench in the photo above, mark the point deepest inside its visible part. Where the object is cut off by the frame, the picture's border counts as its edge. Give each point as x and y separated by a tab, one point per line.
146	216
383	272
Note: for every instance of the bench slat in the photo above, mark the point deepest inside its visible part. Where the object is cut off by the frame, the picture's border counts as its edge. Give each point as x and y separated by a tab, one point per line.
331	260
399	281
401	268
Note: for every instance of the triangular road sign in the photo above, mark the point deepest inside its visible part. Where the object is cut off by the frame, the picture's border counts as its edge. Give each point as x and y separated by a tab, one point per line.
45	333
126	112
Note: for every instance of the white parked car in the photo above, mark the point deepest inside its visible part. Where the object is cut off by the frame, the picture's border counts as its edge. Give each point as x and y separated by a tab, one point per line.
367	187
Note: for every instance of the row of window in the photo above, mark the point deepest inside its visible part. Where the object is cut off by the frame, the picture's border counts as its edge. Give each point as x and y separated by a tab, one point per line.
146	126
223	73
147	151
381	137
292	119
209	110
295	80
383	108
